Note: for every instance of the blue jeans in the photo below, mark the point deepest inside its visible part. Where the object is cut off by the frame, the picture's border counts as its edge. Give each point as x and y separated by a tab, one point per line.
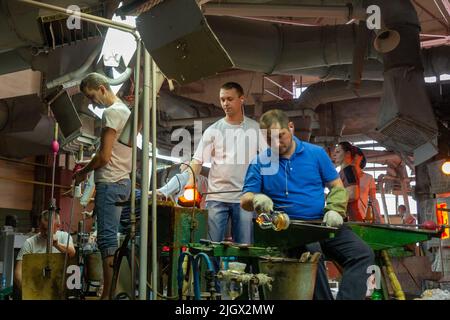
218	215
108	214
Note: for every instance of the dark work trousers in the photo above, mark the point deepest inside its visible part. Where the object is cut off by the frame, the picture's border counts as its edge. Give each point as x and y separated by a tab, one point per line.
352	254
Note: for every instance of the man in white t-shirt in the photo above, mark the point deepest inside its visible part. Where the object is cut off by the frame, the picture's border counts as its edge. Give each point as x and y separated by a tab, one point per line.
112	167
229	144
38	244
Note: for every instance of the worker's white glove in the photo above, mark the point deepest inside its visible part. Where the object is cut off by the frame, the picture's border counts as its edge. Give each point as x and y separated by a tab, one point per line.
262	203
333	219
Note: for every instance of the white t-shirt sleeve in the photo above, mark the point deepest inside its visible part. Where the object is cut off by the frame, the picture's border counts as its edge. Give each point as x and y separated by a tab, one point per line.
26	249
114	118
205	148
62	238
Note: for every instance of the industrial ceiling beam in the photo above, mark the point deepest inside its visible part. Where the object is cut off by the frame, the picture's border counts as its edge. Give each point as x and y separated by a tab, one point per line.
445	25
444	9
279	86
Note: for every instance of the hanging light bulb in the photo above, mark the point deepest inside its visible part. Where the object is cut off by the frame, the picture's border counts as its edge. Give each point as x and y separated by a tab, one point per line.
446	167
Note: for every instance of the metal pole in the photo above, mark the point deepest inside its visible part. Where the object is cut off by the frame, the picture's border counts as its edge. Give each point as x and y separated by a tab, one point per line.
133	170
403	184
383	200
145	182
52	207
154	202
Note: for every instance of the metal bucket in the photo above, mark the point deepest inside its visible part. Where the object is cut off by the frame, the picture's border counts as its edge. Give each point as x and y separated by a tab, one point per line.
292	279
94	266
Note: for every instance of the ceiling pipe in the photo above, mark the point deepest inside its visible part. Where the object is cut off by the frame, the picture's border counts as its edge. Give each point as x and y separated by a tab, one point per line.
372	70
19	25
74	78
336	90
285	49
296	11
435	62
42	133
331	91
36	141
311	98
383	158
79	73
406	120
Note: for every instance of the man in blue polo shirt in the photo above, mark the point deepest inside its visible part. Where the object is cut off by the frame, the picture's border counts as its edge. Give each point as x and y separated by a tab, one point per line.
298	187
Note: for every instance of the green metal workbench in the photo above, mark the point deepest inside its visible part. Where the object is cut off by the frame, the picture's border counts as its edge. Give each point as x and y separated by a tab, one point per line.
384	236
391	240
274	243
177	227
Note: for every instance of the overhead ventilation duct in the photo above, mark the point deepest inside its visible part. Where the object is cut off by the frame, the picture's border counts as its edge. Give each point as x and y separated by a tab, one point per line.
406	121
184	49
36	141
342	10
372	70
25	25
331	91
41	134
435	63
32	143
24	131
192	48
324	92
19	113
271	48
11	61
29	33
259	46
19	26
54	25
386	40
